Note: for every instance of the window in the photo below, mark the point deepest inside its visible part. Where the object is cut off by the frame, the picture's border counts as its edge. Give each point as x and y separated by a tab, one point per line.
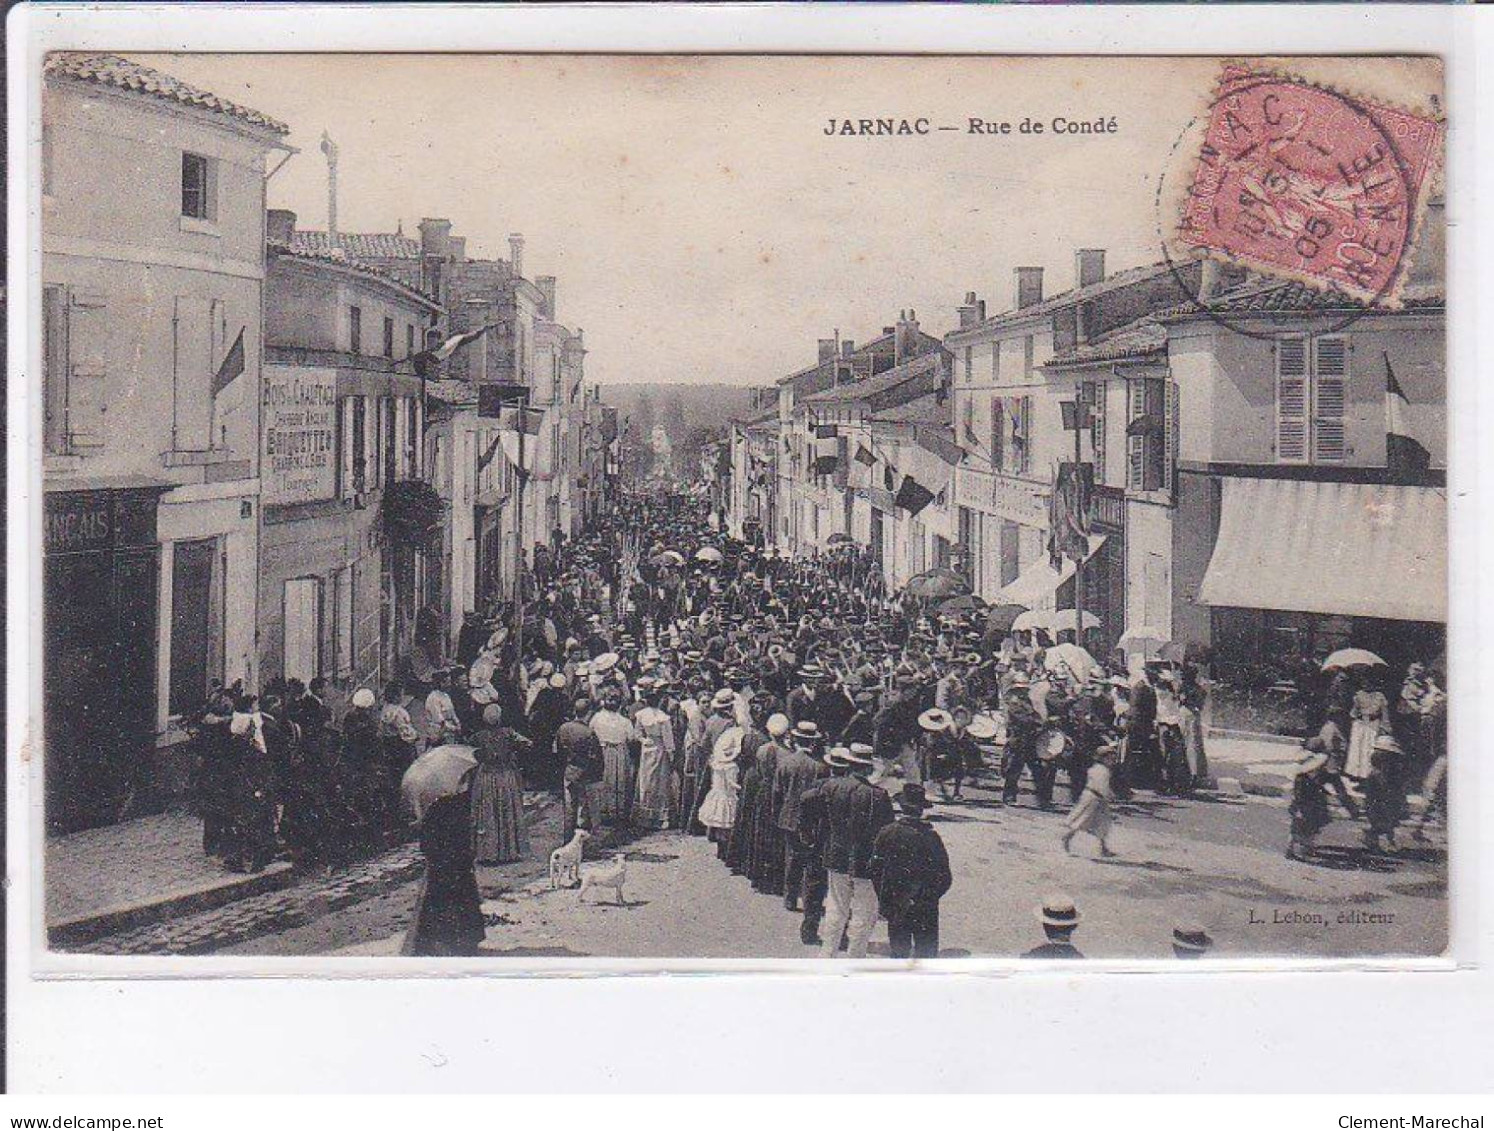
196	623
198	187
355	330
995	363
303	629
998	432
391	439
969	366
1147	435
409	339
1015	437
1093	395
412	443
1027	356
357	418
388	337
1011	551
1291	400
1330	371
1312	392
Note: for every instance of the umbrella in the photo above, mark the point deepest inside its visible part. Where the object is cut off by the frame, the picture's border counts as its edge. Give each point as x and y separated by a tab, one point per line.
1143	639
435	774
1032	618
965	603
668	557
937	583
1352	658
708	554
1063	620
1073	657
1001	617
1190	653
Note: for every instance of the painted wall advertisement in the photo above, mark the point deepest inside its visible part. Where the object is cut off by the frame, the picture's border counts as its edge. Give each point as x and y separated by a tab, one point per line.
300	430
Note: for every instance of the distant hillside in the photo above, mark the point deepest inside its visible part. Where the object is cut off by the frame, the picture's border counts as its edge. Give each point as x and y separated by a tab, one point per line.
691	415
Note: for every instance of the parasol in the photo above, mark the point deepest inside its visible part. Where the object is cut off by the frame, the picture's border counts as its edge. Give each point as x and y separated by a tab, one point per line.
1144	639
1071	656
437	773
668	557
1001	617
1031	619
1352	658
708	554
1063	620
965	603
937	583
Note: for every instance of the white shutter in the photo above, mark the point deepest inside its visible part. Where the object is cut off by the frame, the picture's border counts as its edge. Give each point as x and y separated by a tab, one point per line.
345	444
401	406
1330	398
373	418
88	366
1135	441
1291	400
419	445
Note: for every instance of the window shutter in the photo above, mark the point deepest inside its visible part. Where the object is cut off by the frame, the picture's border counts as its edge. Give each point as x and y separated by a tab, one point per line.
1291	400
998	432
88	366
1097	428
372	414
1026	434
1135	442
1330	398
399	406
1169	435
346	447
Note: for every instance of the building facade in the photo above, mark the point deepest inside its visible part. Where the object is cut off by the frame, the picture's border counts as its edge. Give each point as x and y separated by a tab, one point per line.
344	423
152	305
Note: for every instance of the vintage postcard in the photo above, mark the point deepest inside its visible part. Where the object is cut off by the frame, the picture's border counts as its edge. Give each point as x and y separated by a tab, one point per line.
880	510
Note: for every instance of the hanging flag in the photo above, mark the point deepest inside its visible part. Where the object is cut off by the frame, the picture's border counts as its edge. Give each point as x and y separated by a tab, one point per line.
424	360
865	456
232	367
1404	453
826	449
913	496
528	422
1068	513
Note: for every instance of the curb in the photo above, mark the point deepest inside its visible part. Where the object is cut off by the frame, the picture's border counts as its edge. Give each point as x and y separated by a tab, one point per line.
90	928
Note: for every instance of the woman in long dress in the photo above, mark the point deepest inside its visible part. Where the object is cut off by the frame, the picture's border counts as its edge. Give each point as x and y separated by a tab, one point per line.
448	910
767	863
498	833
655	760
1370	718
1091	813
718	812
619	739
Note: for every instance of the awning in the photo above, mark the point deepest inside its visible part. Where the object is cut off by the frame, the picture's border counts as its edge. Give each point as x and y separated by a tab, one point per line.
1342	549
1040	581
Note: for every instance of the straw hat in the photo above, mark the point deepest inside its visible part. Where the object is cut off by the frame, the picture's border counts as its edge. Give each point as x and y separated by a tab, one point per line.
604	663
778	726
1057	911
724	699
982	728
935	719
363	697
859	754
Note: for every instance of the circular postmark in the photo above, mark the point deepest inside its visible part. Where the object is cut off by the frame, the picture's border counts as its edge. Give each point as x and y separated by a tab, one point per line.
1303	184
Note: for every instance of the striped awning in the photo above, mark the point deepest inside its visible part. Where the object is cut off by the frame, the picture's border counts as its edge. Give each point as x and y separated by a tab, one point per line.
1340	549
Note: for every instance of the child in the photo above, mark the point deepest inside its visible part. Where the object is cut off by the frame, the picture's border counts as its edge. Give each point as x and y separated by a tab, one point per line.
1309	808
1091	813
1384	796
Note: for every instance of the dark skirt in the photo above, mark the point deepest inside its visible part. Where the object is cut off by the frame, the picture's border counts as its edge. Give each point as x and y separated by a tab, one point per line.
739	848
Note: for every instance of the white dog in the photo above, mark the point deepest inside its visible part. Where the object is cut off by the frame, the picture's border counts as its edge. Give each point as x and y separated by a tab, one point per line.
606	876
565	861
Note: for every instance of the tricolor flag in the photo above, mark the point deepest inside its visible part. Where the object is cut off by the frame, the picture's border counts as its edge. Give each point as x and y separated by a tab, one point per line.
1404	453
826	449
232	367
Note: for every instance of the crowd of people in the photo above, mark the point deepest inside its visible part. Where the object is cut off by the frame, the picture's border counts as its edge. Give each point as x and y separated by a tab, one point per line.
662	675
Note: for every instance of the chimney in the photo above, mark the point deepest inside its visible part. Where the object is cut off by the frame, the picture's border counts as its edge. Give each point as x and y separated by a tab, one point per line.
827	349
1028	288
458	248
516	254
280	225
435	238
907	336
973	312
1089	266
329	149
546	284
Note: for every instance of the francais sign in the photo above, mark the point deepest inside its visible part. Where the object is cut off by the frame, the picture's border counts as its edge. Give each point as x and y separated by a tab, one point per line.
300	430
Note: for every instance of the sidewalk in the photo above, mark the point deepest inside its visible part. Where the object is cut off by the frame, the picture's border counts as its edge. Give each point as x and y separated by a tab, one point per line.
1259	765
119	876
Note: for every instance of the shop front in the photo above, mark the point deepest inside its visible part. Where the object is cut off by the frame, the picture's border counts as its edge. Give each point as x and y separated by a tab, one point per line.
101	571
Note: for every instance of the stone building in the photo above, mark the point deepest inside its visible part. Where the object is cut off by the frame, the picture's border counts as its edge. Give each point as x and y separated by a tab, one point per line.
151	309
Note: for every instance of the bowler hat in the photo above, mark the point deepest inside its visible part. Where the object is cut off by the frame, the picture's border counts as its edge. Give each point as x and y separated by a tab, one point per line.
913	799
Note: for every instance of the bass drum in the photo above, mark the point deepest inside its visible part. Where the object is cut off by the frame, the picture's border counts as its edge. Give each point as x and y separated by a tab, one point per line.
1052	744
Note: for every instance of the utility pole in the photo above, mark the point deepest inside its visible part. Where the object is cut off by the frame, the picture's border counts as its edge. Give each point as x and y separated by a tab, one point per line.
1079	416
522	476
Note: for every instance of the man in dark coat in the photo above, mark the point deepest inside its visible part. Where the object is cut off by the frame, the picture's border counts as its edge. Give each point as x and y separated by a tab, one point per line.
1022	726
546	715
578	750
851	811
910	868
798	770
1141	765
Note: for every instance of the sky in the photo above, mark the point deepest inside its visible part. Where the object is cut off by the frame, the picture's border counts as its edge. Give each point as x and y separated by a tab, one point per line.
702	225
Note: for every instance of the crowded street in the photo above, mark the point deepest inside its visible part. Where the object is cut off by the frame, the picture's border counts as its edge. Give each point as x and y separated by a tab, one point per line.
646	704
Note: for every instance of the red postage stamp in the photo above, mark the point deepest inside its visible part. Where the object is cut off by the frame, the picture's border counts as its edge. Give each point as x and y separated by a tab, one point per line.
1301	181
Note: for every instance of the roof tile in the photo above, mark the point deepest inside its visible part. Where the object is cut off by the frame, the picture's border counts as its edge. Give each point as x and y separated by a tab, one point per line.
122	74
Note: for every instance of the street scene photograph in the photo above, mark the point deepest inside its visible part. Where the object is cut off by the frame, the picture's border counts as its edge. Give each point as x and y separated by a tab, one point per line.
875	510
